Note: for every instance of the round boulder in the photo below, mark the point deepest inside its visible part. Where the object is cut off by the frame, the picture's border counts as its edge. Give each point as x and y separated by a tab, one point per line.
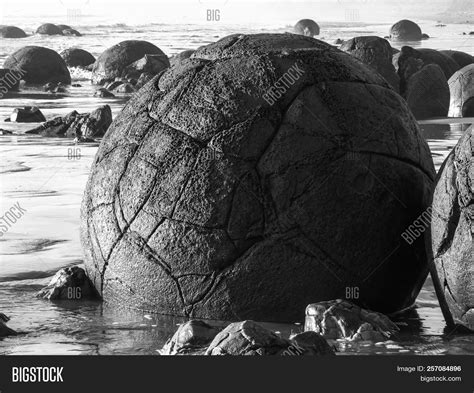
375	52
405	30
39	65
113	61
427	93
49	29
462	58
461	88
11	32
70	32
452	229
222	191
307	27
75	57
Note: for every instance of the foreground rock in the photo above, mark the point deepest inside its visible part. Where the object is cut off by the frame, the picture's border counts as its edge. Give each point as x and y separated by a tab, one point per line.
340	319
49	29
461	88
452	229
217	188
75	57
28	114
405	30
307	27
5	331
427	93
70	283
40	65
11	32
83	126
375	52
113	61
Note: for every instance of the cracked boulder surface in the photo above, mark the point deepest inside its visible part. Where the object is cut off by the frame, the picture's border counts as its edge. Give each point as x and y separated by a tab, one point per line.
461	88
208	201
452	228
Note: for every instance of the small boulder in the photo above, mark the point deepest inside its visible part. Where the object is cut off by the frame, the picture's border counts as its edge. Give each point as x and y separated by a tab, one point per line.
103	93
28	114
113	85
124	88
4	329
152	64
307	27
11	32
425	36
461	88
49	29
75	57
405	30
308	343
191	338
340	319
463	59
70	283
427	93
71	32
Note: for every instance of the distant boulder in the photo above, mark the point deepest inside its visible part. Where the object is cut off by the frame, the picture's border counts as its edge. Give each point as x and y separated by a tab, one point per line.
72	32
75	57
11	32
49	29
103	93
307	27
405	30
461	88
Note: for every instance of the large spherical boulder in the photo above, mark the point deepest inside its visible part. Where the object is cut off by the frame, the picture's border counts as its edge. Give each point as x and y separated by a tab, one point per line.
40	65
263	173
75	57
11	32
113	61
427	93
461	88
49	29
452	229
405	30
375	52
307	27
462	58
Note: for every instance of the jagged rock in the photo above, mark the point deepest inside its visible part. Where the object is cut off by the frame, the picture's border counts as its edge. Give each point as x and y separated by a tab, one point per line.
340	319
28	114
152	64
124	88
49	29
11	32
70	283
427	93
178	58
405	30
452	229
9	80
461	89
307	27
191	338
74	125
40	65
463	59
309	343
113	61
4	329
375	52
217	189
103	93
75	57
64	27
143	80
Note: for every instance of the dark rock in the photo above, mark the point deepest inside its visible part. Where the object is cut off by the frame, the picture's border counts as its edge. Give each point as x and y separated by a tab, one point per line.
49	29
71	32
54	87
76	85
338	42
75	57
178	58
427	93
143	80
405	30
463	59
75	125
113	85
28	114
461	89
239	236
70	283
5	132
471	33
103	93
375	52
9	80
11	32
425	36
152	64
309	343
5	331
124	88
340	319
452	229
113	61
64	27
191	338
307	27
40	65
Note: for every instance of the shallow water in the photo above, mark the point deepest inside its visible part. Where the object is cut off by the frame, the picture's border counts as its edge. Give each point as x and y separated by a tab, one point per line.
47	177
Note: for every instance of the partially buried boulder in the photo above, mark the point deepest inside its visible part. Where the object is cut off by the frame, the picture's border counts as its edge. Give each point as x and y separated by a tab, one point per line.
113	61
70	283
208	195
452	229
103	93
76	125
76	57
461	88
427	93
375	52
40	65
405	30
49	29
71	32
11	32
307	27
28	114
